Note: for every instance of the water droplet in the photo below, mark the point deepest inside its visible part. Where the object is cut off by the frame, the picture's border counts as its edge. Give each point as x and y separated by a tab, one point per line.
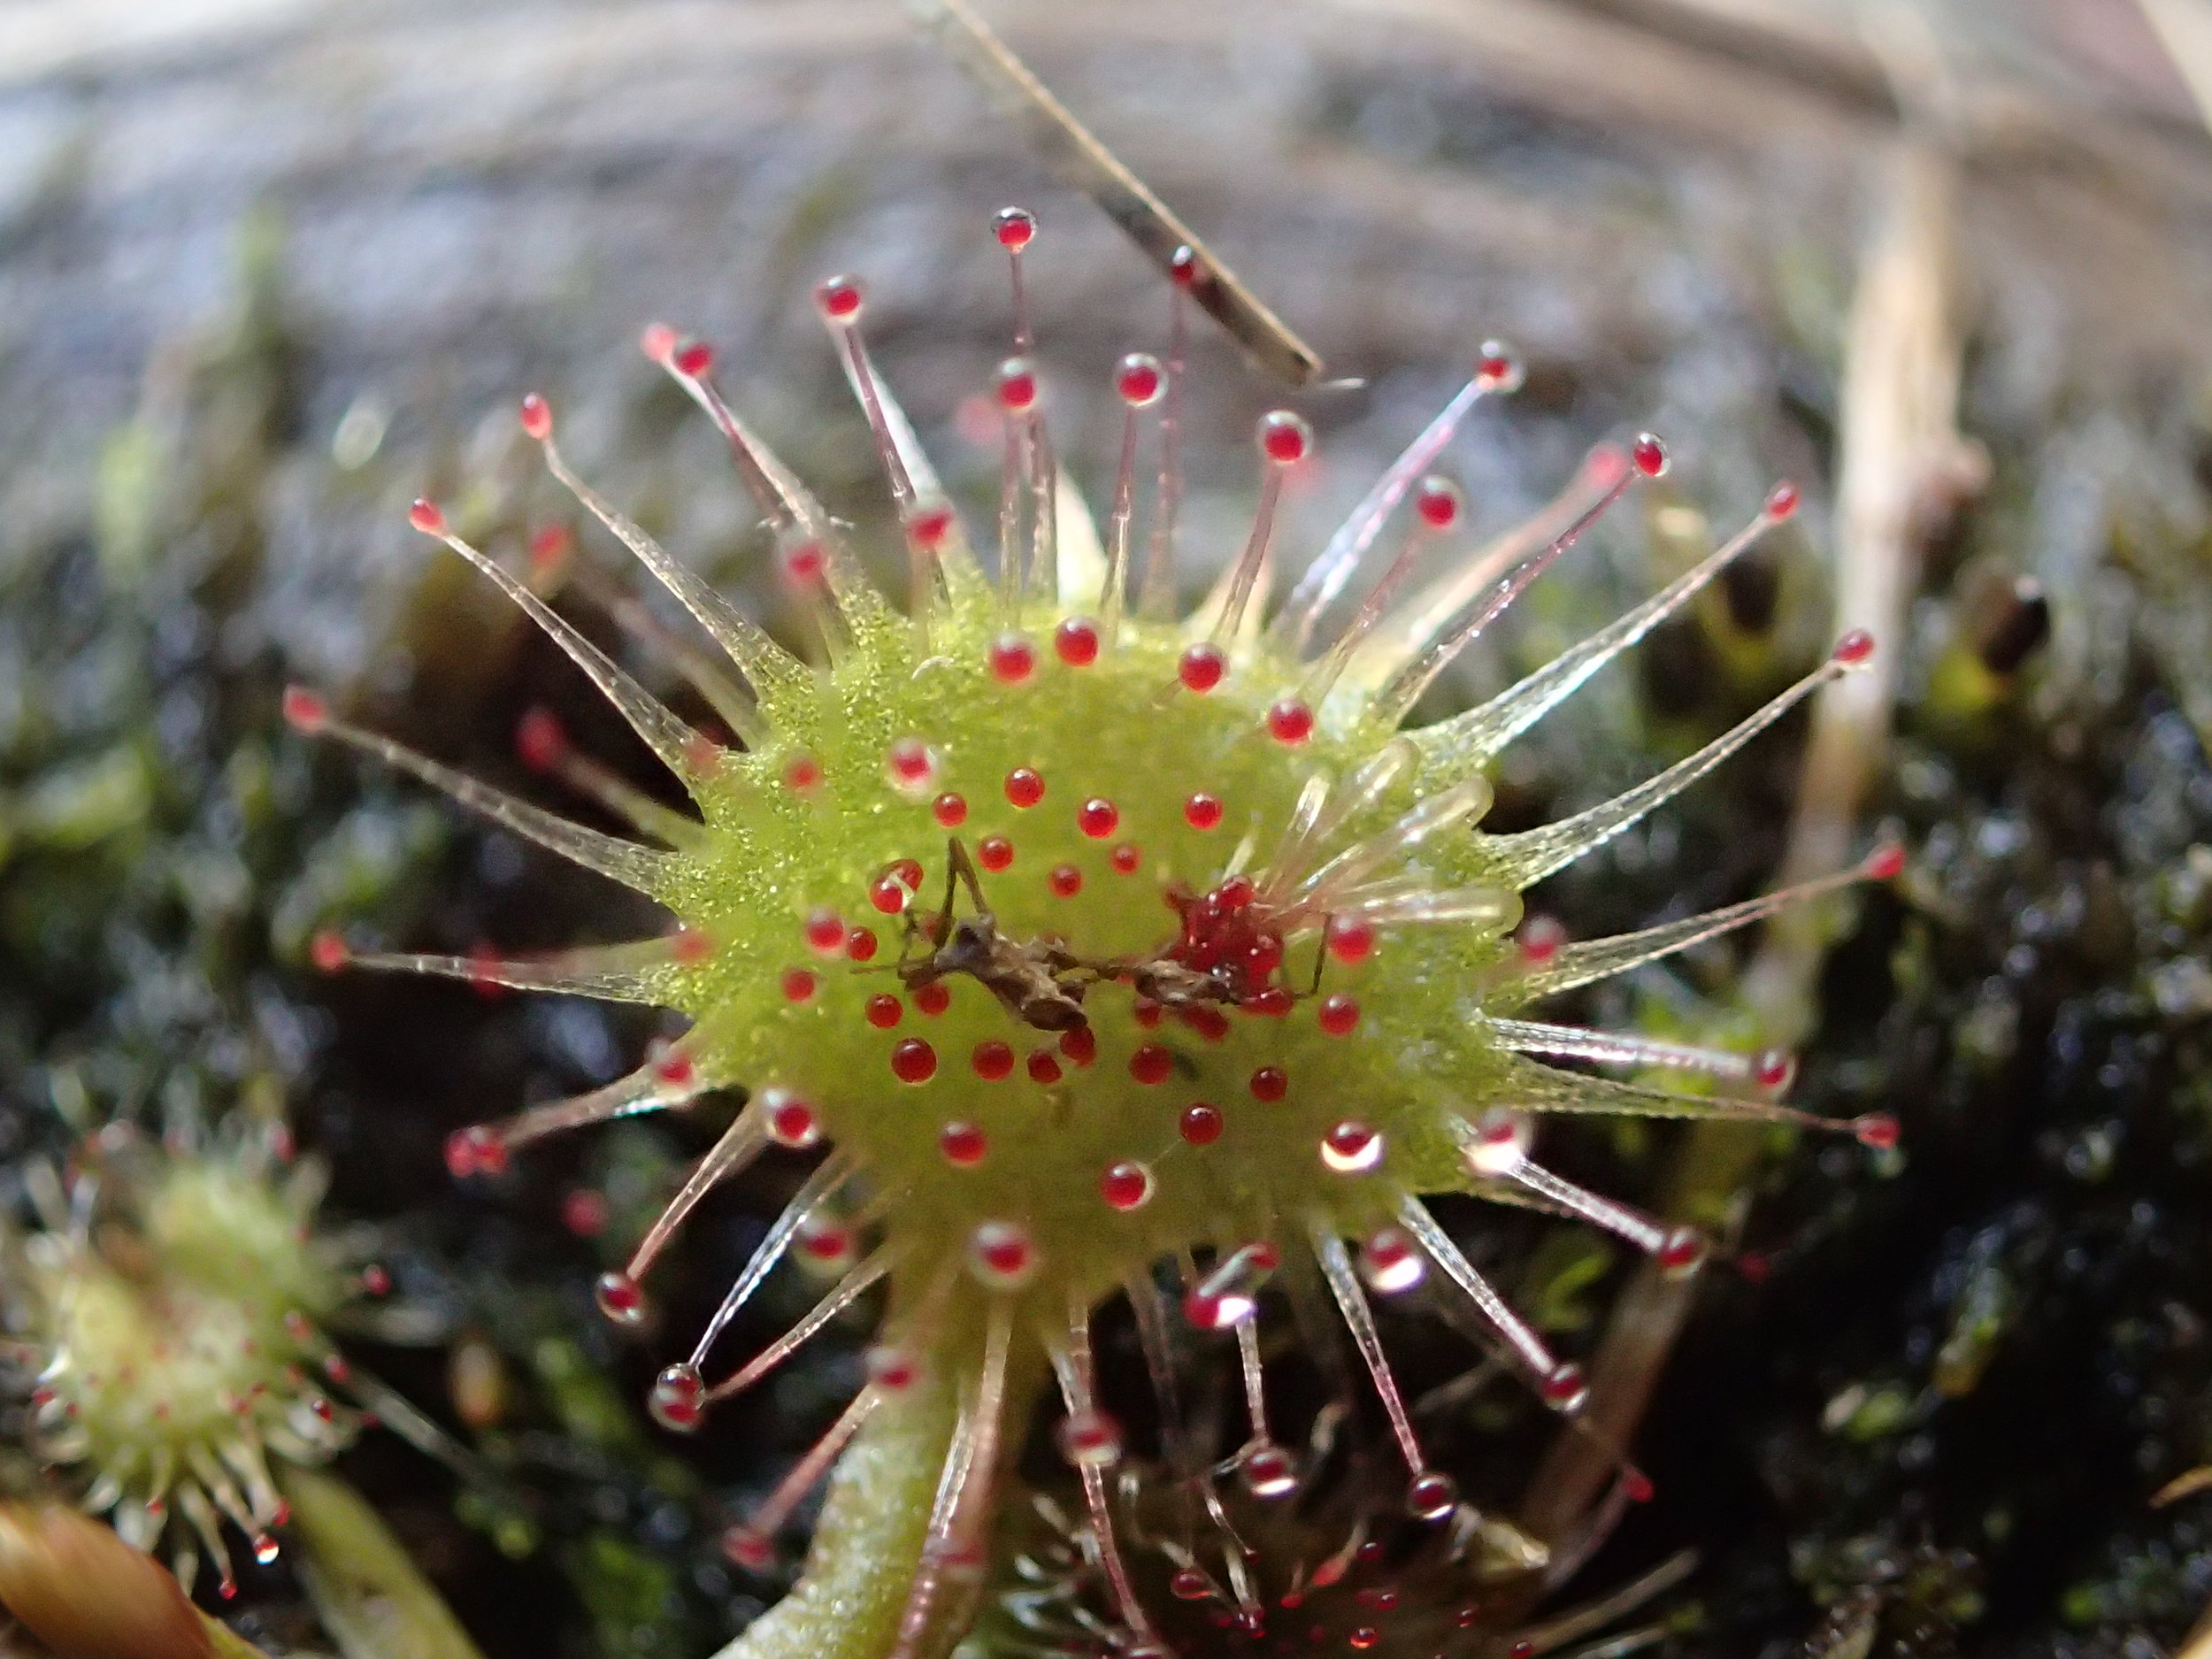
1285	437
1089	1440
1126	1186
1391	1263
1499	1145
1001	1255
1351	1148
1430	1496
620	1298
1269	1471
678	1399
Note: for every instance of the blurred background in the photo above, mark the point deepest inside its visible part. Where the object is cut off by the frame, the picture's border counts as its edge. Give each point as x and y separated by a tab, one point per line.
269	269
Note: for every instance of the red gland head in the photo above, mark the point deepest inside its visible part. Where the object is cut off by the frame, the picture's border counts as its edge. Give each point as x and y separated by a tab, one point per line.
1774	1070
1269	1471
620	1298
1001	1255
826	1241
1439	502
586	1212
1391	1263
1202	667
1350	938
1540	940
1782	501
1126	1186
1351	1148
1013	659
1681	1252
547	548
426	517
1089	1440
749	1547
792	1122
1290	721
1430	1496
475	1150
962	1144
839	299
1016	386
913	1061
694	357
1854	649
678	1400
891	892
1885	864
931	525
1138	379
1497	367
825	933
1075	641
1649	454
1876	1130
892	1368
1200	1125
304	710
540	741
1564	1390
1015	227
537	417
1284	438
910	765
802	562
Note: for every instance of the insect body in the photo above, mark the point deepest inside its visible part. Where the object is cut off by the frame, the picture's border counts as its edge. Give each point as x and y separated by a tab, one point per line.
1039	983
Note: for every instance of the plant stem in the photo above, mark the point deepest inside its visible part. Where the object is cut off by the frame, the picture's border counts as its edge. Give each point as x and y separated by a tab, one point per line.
868	1545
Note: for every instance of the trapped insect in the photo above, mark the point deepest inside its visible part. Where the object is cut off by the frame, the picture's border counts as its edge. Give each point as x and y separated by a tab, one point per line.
1040	983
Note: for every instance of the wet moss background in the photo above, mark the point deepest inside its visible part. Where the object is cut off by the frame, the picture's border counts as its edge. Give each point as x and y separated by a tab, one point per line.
260	284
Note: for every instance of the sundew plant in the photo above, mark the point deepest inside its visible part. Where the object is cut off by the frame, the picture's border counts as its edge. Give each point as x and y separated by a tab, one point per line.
1090	945
170	1312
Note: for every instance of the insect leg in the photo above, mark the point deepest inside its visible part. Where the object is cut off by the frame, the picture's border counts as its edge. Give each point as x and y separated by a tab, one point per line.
1320	958
960	867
